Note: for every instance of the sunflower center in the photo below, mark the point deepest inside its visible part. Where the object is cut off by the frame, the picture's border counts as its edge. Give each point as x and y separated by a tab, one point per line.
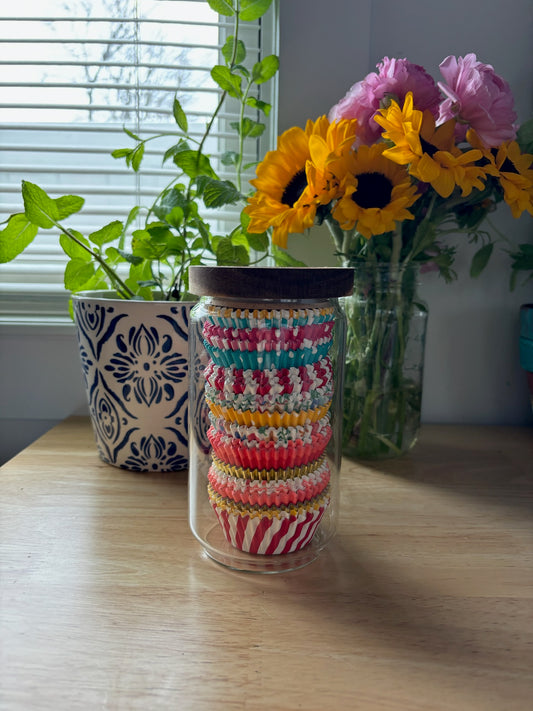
428	148
373	190
508	167
294	188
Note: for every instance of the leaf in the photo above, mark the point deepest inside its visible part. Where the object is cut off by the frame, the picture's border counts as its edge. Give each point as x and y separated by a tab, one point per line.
122	153
137	156
239	239
132	214
481	259
72	249
223	7
142	246
127	256
284	259
229	48
193	163
253	9
38	206
524	136
68	205
220	192
175	216
131	134
265	69
141	280
108	233
229	254
229	158
16	236
231	83
179	116
77	274
243	71
248	127
259	105
259	243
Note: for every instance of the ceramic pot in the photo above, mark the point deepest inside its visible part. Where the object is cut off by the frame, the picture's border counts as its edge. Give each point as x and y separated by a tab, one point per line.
134	357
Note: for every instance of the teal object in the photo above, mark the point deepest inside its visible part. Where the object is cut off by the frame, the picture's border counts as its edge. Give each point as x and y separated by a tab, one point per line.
526	337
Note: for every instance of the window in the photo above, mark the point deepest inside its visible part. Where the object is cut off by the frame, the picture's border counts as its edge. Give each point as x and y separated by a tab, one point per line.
74	74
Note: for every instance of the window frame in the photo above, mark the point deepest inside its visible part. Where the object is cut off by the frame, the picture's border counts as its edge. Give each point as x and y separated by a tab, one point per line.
27	304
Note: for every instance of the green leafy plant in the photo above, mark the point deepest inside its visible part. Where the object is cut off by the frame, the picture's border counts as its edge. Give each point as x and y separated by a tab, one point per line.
522	263
152	260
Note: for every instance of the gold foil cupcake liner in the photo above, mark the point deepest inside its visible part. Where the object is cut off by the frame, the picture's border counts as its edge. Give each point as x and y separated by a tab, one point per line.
234	507
268	474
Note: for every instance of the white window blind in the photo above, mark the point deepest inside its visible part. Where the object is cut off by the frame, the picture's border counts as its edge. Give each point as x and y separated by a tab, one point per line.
74	73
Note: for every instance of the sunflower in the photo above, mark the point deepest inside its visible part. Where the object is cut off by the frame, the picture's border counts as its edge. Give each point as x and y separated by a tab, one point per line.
513	169
377	193
429	151
283	200
329	159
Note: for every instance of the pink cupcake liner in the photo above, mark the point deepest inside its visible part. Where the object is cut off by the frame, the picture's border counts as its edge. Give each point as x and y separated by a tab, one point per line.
268	533
270	339
284	381
281	492
268	455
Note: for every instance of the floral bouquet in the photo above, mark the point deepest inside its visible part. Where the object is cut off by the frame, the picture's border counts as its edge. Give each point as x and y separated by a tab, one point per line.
400	163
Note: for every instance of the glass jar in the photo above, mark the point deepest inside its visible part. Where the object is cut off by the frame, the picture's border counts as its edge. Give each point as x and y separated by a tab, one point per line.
266	354
386	335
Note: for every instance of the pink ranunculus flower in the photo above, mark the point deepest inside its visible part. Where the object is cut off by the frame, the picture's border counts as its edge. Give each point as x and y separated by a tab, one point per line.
479	99
395	77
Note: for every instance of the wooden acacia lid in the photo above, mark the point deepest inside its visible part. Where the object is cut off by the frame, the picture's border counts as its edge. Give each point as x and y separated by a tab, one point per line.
271	282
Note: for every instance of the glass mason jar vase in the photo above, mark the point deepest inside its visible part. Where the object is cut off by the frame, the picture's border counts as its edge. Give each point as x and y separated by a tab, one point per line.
266	351
386	332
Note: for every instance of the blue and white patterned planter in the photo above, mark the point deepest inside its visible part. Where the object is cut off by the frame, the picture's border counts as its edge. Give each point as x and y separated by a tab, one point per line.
134	357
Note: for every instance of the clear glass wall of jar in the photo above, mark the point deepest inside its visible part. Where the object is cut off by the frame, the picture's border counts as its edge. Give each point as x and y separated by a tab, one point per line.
266	354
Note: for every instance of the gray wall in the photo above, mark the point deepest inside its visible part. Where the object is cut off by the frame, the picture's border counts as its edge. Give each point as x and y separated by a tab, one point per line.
472	371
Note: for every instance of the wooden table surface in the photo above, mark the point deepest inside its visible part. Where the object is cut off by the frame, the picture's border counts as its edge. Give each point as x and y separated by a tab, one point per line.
423	601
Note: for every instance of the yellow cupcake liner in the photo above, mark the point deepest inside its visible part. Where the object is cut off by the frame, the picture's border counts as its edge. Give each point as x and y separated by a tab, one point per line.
256	418
235	508
268	474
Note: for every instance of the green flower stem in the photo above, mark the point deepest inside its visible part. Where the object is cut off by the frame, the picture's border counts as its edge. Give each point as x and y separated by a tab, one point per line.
377	392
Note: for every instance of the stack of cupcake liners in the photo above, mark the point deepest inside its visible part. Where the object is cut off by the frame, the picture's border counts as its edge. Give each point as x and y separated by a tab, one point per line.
269	388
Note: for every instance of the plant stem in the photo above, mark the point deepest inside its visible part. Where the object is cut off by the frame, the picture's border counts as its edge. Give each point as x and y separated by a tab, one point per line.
121	287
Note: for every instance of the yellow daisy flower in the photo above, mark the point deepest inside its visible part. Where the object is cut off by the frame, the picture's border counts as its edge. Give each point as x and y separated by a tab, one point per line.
513	169
283	200
377	193
429	151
